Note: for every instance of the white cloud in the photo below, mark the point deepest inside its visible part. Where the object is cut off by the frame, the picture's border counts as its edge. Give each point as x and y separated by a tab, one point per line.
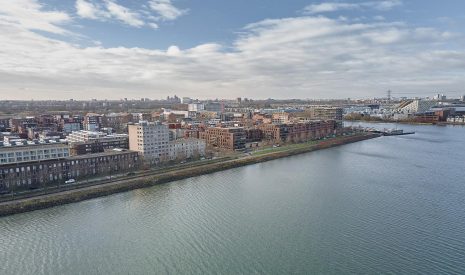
302	57
336	6
166	10
89	10
124	14
30	14
105	10
153	25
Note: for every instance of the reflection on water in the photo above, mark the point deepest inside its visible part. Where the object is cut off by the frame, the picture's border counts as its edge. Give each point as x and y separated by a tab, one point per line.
392	204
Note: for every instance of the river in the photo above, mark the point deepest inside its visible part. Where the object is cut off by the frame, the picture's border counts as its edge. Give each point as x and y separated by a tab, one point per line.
386	205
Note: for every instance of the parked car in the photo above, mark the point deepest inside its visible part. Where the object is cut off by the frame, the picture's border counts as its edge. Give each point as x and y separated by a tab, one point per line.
70	181
131	174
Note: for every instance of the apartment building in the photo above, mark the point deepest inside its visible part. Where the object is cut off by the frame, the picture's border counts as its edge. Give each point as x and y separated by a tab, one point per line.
298	132
280	118
326	113
34	174
187	148
232	138
150	139
89	142
93	122
24	151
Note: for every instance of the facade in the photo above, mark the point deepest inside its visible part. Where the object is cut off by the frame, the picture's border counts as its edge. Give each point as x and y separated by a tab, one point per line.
232	138
89	142
35	174
298	132
280	118
32	151
68	127
326	113
418	106
253	135
216	107
93	122
150	139
187	148
196	107
118	121
85	136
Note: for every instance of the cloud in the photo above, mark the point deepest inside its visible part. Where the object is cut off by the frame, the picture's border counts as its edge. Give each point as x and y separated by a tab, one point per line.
153	25
30	14
306	57
124	14
86	9
337	6
166	10
107	10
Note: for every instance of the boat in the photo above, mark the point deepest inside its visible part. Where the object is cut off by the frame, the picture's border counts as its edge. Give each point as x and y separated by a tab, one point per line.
396	132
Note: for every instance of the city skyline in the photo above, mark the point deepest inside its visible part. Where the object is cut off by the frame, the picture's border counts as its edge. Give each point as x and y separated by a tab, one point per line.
261	49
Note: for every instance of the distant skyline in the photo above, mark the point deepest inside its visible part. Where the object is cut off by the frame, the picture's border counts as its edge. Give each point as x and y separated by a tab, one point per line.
111	49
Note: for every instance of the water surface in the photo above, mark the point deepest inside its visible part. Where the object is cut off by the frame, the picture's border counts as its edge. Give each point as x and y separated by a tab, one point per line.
387	205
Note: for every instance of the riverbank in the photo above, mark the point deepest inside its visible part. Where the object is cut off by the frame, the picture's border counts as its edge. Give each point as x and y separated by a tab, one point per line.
159	177
440	123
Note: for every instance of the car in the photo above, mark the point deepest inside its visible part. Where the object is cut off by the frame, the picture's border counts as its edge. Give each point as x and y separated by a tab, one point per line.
4	192
70	181
131	174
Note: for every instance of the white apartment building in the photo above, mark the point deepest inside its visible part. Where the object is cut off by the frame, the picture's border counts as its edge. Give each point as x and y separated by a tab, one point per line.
196	107
32	151
150	139
187	148
84	136
418	106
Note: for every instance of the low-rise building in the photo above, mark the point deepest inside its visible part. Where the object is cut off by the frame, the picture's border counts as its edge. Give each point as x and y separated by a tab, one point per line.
35	174
17	152
187	148
88	142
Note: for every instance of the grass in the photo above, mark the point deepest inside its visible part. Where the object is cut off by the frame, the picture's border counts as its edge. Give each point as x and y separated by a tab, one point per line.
285	148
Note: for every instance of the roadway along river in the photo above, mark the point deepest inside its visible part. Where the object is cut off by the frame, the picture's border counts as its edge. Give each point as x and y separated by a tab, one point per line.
391	204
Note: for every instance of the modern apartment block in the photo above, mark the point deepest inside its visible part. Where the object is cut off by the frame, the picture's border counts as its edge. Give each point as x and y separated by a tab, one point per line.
87	142
327	113
150	139
32	151
93	122
298	132
232	138
417	106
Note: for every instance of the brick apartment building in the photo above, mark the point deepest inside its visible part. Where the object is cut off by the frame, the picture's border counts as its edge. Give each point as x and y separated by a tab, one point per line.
298	132
34	174
232	138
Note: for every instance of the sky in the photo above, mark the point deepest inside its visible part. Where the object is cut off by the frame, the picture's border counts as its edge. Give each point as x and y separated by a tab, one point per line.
113	49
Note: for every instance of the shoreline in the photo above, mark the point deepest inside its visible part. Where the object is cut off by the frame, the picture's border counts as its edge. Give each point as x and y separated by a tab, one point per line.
76	195
441	123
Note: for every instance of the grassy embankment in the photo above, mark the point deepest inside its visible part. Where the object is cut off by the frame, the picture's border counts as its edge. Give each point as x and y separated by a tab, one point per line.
168	175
